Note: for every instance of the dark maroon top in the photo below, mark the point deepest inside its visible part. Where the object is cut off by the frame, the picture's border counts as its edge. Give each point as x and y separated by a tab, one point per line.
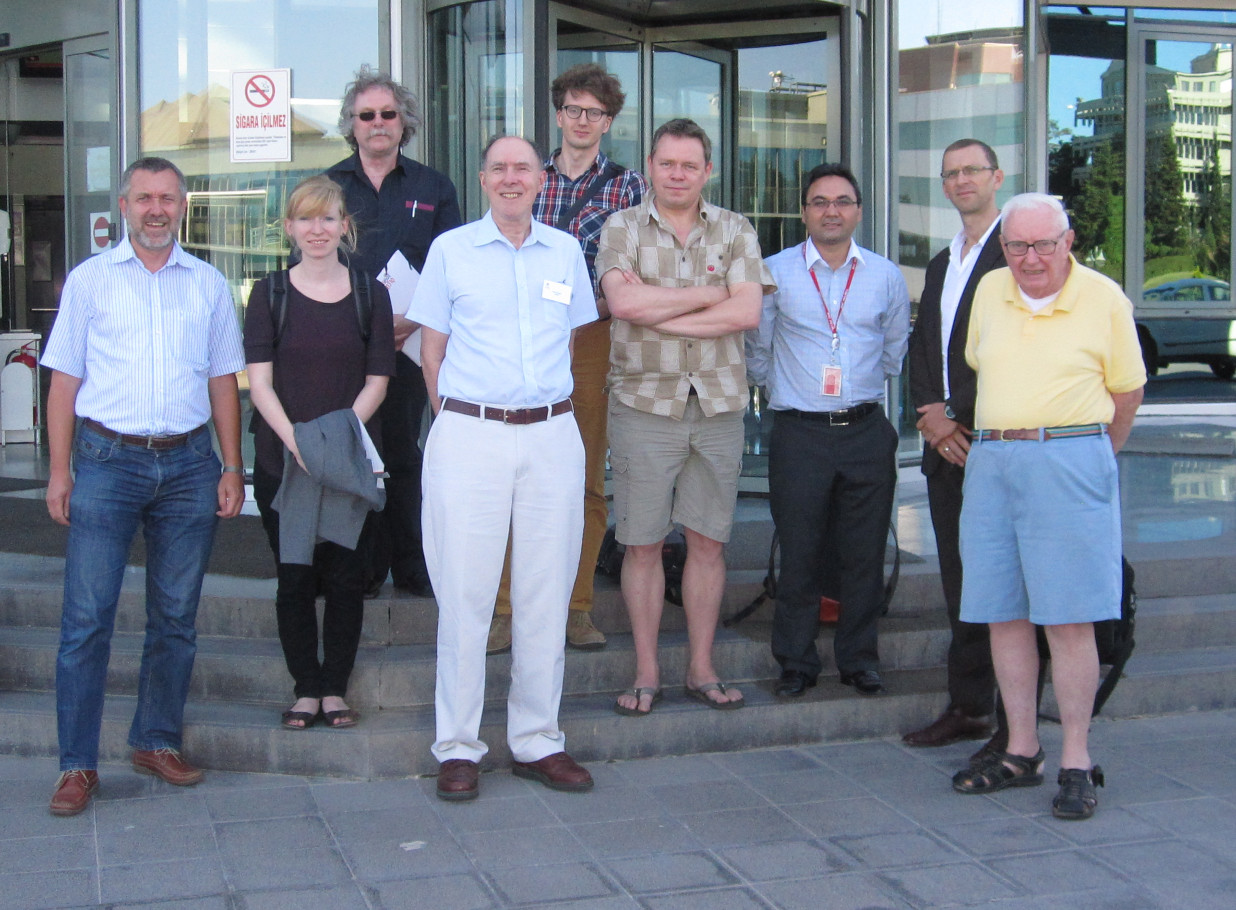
321	361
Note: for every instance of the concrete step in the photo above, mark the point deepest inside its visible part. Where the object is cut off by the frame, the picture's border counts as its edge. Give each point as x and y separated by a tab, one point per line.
402	676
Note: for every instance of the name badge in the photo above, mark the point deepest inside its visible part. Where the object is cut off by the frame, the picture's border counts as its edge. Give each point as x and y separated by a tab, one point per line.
557	292
830	384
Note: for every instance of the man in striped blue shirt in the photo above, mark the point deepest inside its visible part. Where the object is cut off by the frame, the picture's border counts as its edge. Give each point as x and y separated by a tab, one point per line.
144	355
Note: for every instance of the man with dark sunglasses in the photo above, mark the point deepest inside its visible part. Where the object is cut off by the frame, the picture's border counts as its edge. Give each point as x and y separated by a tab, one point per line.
398	206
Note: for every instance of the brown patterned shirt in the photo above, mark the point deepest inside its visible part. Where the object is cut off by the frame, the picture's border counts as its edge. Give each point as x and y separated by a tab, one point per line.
652	371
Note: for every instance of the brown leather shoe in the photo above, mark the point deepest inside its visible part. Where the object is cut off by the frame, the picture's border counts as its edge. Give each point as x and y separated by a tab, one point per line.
166	764
581	634
499	636
950	727
558	772
73	791
458	780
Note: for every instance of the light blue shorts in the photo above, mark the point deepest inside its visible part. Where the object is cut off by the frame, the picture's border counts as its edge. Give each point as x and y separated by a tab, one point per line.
1040	532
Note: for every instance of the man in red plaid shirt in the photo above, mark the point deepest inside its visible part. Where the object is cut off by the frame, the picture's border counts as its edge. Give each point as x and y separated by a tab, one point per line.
582	189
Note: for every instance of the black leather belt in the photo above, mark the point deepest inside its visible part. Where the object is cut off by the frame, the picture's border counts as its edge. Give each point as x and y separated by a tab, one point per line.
839	418
144	442
514	416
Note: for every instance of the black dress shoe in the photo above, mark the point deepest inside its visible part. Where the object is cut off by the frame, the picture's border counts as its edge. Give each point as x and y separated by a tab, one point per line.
793	683
867	682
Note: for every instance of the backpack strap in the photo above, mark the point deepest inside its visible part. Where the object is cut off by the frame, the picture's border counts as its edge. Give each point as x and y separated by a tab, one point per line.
362	294
278	302
608	173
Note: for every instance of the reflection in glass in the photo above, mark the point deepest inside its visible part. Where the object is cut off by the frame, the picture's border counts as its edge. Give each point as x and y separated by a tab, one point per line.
577	44
687	85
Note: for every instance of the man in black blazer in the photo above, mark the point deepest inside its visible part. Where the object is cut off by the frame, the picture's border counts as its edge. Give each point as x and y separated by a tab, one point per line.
942	388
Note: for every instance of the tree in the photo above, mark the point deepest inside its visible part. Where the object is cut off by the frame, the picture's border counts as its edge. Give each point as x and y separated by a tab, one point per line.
1212	248
1165	213
1098	211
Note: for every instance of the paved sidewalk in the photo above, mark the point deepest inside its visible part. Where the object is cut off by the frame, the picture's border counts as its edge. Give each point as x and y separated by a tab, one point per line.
845	826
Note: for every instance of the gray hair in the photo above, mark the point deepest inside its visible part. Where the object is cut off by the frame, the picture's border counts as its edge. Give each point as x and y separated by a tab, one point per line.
497	137
154	166
1026	202
405	102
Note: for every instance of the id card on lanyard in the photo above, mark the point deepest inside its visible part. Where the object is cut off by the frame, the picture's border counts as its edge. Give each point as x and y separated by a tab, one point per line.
830	373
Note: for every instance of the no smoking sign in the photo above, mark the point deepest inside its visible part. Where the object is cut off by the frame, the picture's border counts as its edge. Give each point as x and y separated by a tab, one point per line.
261	115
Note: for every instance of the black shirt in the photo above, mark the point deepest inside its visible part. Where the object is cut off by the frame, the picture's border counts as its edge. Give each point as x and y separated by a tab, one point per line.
415	205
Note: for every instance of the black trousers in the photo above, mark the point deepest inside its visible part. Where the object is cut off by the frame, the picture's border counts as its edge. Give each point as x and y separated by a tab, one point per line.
341	574
831	492
396	545
971	676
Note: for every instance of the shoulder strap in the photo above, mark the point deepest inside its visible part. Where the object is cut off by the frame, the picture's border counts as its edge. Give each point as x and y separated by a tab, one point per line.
608	173
362	293
278	302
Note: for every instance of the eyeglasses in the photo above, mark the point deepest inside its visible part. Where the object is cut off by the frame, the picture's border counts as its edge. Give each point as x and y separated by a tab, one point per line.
574	110
841	203
385	115
970	170
1022	247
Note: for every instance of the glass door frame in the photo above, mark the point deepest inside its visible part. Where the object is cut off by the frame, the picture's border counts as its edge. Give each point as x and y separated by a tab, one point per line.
1139	33
102	46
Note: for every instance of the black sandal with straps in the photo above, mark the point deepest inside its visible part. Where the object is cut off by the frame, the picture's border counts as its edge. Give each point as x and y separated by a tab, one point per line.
994	773
1077	797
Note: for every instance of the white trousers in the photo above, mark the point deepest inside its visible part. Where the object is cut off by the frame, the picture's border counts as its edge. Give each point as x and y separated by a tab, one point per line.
483	479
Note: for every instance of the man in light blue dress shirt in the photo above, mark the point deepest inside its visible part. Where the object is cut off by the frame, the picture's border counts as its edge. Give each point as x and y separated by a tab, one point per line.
498	300
144	354
836	328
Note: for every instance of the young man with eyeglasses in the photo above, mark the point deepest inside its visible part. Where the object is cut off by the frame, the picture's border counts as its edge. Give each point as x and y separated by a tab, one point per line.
398	207
942	387
1060	378
582	188
829	337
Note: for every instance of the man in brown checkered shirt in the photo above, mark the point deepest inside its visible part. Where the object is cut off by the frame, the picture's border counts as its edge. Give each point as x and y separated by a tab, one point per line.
684	279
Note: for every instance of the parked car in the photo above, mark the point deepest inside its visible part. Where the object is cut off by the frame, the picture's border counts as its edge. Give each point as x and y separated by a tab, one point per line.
1188	320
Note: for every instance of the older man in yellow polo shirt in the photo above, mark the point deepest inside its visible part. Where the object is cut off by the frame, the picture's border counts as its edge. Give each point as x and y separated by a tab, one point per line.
1060	378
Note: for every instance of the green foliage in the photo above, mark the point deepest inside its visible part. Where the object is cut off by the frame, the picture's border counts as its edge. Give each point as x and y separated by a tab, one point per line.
1212	236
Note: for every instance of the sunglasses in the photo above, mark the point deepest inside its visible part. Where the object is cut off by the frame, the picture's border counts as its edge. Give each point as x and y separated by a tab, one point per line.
385	115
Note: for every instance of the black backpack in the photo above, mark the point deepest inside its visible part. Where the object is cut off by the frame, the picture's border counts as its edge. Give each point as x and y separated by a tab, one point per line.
362	294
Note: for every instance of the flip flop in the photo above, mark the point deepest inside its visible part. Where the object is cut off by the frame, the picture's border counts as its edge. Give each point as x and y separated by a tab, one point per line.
639	692
701	694
337	720
306	719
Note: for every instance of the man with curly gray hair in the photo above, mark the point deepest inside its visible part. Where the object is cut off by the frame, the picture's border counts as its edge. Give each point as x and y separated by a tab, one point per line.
398	207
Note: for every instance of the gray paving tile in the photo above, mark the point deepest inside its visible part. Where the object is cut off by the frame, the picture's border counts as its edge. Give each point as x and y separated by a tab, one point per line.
512	814
1109	825
36	821
261	870
213	902
1162	864
670	872
534	847
913	849
812	785
1058	873
766	761
866	815
44	854
162	880
955	885
25	767
705	796
248	780
387	860
539	885
724	899
457	892
674	769
1003	836
614	802
1131	785
636	837
787	859
40	891
1207	818
394	825
1203	891
234	804
851	891
946	807
742	826
346	897
615	902
355	796
25	791
147	844
280	835
178	808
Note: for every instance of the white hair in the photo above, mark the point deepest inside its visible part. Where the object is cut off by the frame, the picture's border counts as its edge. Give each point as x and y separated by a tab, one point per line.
1025	202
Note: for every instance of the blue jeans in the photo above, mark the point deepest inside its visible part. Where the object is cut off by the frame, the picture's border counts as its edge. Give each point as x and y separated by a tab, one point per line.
173	495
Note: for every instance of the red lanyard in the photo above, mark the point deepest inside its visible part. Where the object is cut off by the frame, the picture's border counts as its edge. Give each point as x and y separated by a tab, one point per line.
832	323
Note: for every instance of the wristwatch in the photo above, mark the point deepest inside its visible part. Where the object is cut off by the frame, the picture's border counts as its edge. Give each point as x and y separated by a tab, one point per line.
949	412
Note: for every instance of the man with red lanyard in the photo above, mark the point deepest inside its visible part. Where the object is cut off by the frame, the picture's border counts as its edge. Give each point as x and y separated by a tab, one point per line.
836	328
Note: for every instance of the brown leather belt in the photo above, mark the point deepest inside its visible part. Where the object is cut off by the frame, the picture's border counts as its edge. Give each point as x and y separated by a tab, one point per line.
1042	433
144	442
839	418
514	416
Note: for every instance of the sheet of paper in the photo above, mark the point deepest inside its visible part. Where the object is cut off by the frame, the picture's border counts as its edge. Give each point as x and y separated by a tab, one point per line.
400	280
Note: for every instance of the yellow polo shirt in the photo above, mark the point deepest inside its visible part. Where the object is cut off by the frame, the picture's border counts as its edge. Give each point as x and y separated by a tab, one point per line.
1057	367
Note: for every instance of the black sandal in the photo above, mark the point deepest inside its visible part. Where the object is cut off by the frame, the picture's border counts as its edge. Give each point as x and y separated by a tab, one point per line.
994	774
1077	798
